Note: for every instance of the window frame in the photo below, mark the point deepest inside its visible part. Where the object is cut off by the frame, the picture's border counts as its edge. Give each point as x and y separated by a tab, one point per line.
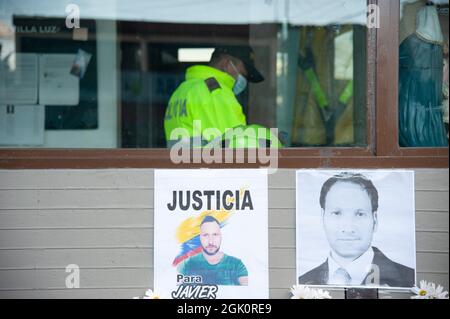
387	88
382	150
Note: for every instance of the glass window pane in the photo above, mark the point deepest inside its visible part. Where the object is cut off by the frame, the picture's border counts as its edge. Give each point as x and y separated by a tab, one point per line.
111	74
423	74
321	98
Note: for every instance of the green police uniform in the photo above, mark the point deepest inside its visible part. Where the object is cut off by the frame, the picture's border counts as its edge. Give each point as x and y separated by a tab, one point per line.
205	95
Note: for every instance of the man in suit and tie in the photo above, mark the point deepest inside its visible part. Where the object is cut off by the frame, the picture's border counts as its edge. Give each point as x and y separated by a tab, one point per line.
349	205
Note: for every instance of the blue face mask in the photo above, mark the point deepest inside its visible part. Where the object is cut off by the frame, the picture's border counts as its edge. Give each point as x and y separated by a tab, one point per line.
241	82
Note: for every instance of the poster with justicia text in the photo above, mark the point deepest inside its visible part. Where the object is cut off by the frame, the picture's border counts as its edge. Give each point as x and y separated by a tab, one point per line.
211	233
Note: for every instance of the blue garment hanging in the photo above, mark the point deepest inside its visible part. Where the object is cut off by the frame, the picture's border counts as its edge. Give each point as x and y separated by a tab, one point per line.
420	92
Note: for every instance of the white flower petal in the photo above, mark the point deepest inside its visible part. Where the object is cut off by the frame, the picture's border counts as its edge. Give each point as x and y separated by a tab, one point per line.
304	292
428	290
149	293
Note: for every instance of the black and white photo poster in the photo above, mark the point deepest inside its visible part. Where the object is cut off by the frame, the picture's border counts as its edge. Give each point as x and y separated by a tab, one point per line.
356	228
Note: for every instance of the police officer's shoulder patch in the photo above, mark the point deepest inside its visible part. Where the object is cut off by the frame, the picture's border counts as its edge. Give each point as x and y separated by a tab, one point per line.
212	84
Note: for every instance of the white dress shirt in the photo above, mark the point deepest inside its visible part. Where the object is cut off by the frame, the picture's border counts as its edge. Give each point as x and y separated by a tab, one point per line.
358	269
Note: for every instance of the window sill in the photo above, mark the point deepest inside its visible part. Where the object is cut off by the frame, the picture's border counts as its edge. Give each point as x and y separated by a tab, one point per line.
159	158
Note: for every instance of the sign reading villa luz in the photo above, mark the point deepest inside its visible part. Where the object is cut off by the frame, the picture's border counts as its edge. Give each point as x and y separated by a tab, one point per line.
211	233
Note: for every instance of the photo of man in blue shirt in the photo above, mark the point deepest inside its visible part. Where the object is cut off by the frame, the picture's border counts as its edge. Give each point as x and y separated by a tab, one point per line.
214	266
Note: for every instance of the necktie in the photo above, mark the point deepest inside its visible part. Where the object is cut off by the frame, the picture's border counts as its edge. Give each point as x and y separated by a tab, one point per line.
341	277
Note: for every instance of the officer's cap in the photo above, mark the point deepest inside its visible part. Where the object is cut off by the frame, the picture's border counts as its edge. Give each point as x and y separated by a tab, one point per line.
247	56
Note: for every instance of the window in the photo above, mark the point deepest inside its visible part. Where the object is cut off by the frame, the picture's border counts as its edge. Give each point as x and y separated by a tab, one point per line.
95	94
387	92
132	60
322	85
423	75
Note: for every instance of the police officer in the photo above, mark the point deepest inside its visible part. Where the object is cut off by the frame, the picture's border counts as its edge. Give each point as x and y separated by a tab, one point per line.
209	94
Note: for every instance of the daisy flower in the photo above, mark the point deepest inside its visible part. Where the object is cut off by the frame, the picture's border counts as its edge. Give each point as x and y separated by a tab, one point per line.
304	292
150	294
429	291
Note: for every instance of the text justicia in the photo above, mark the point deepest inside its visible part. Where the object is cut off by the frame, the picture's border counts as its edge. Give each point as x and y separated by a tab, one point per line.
210	200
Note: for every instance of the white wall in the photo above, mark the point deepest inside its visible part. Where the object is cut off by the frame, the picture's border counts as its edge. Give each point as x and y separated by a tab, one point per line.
102	220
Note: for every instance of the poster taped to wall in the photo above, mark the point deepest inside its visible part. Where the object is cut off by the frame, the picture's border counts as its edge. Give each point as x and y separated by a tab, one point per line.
211	234
356	228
